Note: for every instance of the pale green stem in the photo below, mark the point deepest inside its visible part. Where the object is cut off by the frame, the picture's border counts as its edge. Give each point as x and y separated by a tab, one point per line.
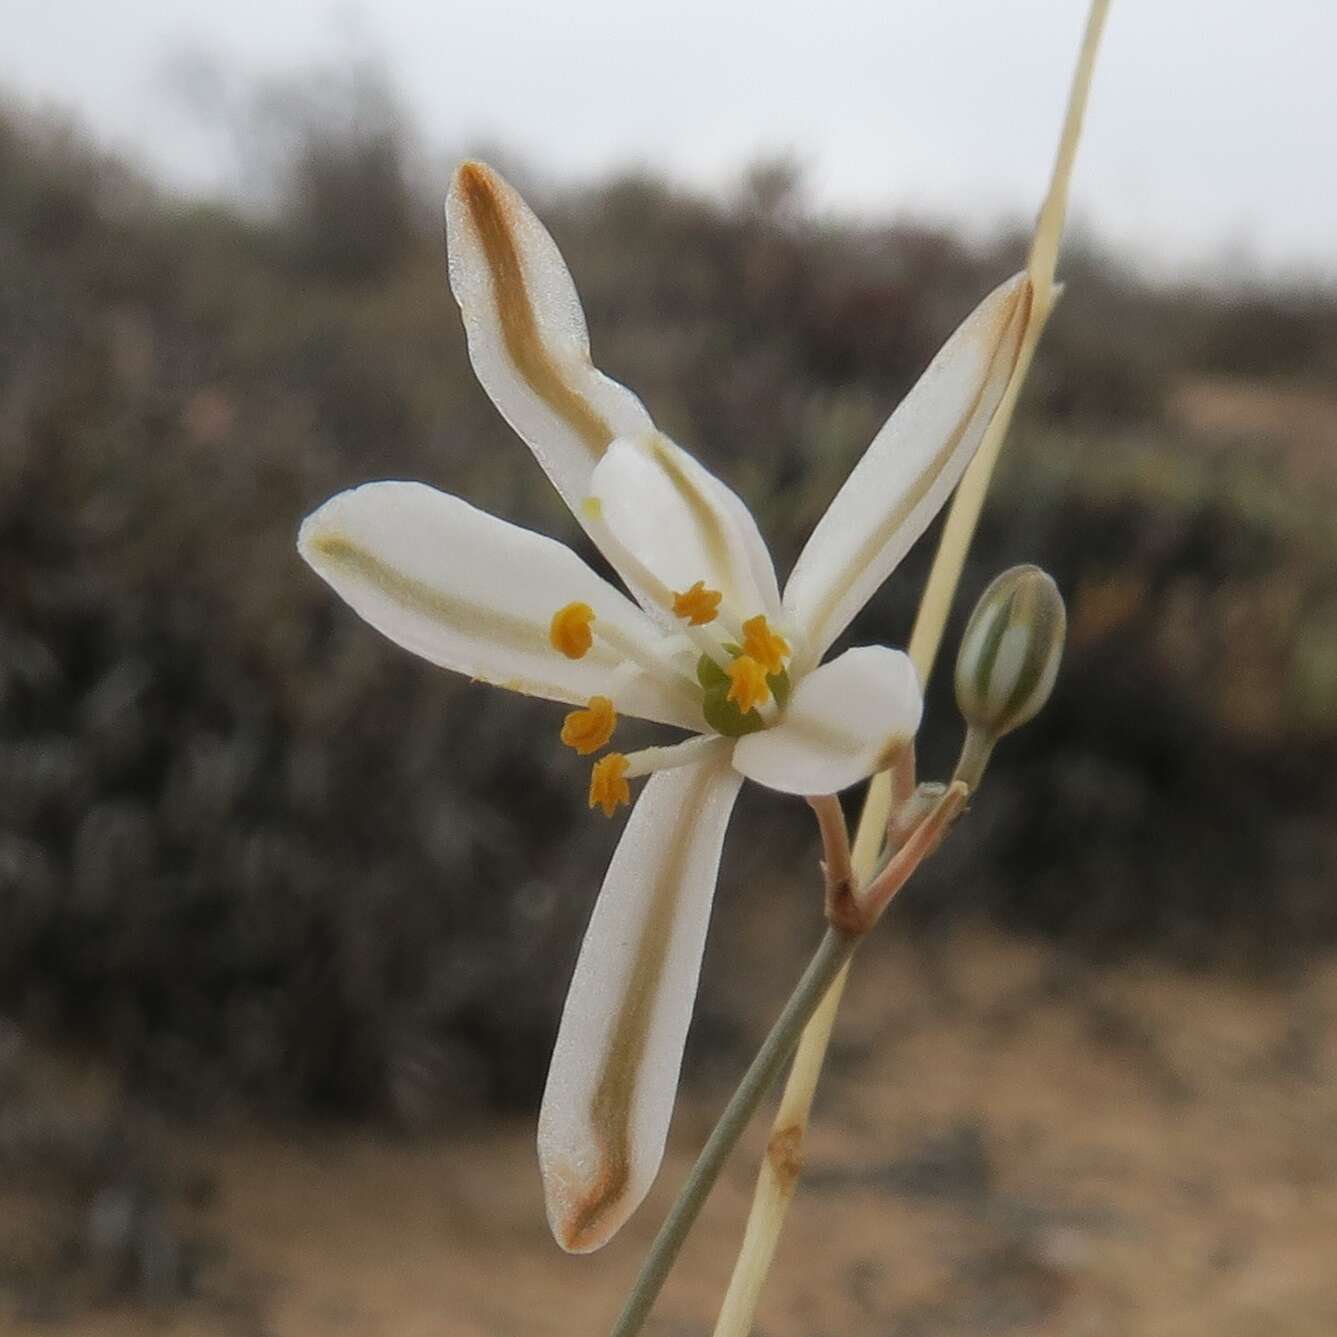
831	955
974	758
771	1200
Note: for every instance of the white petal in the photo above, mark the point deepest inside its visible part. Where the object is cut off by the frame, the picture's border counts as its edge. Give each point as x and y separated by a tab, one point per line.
845	721
472	593
614	1071
908	471
685	525
526	330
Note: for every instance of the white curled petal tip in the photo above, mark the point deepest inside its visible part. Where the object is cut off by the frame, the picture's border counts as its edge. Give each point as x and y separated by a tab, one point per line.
527	336
909	470
614	1073
476	594
683	524
845	721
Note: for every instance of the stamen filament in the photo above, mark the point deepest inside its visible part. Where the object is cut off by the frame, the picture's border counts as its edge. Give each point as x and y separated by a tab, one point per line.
651	759
708	645
655	665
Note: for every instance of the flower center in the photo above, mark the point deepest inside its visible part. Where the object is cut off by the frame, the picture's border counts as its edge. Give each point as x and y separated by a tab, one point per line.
742	687
734	698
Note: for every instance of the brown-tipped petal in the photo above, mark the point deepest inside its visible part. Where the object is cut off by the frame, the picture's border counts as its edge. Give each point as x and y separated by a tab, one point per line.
474	594
908	471
614	1073
526	330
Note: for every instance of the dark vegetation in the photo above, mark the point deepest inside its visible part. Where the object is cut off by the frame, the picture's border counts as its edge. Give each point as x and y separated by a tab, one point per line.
256	854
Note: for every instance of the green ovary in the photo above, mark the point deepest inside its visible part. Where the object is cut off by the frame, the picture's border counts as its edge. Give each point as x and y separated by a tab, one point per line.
723	715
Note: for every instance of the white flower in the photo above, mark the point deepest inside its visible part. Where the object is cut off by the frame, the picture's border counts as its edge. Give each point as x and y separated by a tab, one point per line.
709	646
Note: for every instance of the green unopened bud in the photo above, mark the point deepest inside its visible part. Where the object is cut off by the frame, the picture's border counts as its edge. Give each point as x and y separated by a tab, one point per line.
1008	660
1010	652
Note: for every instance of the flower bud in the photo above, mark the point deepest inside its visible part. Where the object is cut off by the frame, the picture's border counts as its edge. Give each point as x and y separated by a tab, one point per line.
1010	652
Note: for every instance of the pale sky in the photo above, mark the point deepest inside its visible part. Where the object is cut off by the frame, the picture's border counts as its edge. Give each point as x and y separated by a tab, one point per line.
1212	133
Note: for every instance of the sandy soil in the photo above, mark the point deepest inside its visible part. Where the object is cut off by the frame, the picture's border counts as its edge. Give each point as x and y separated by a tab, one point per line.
1006	1144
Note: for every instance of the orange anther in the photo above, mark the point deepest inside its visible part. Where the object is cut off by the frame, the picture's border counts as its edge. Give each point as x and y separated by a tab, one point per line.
748	687
590	729
608	783
698	604
763	645
570	631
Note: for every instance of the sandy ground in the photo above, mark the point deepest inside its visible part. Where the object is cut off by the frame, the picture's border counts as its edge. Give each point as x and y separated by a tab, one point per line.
1006	1144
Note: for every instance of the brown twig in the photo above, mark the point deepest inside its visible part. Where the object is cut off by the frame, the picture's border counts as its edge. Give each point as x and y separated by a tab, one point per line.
841	889
920	843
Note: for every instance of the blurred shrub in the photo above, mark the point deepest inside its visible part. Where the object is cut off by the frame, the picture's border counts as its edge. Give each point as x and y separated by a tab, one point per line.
259	854
339	153
1271	332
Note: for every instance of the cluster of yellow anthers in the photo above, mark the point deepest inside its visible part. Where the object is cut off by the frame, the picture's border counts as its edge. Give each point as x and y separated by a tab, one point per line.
751	666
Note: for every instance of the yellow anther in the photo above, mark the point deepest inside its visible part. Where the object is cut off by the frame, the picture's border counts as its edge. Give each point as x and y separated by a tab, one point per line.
590	729
763	645
698	605
608	783
570	631
748	687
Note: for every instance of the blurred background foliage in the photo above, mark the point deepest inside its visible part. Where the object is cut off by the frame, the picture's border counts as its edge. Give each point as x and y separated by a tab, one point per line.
261	858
